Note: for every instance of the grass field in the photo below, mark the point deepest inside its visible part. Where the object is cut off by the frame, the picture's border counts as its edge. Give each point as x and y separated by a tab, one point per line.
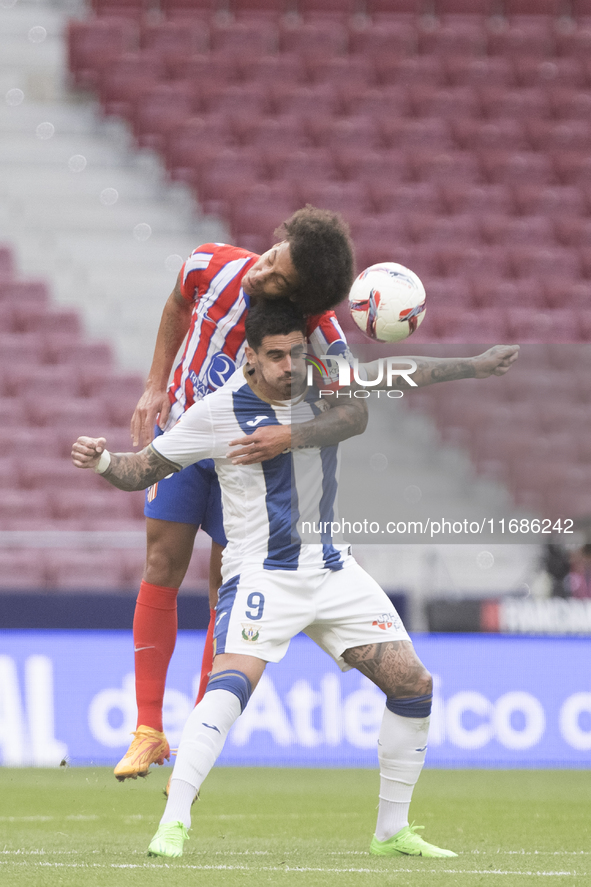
293	827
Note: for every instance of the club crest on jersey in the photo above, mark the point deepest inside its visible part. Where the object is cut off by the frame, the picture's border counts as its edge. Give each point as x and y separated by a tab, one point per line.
220	369
386	620
152	492
250	633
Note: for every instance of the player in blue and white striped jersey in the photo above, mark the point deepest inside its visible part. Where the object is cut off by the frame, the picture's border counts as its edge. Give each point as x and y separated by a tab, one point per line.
276	586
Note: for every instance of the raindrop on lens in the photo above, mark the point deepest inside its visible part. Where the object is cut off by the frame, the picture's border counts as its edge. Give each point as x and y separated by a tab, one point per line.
142	231
14	97
109	196
173	263
77	163
45	131
485	560
37	34
413	494
378	462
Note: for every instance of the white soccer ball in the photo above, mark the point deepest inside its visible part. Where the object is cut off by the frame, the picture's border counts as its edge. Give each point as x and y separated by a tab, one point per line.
387	302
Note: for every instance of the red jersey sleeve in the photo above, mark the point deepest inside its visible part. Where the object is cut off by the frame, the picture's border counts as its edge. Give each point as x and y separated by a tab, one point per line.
325	336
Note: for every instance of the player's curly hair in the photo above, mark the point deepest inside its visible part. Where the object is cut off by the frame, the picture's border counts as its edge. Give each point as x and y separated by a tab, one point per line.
322	253
273	317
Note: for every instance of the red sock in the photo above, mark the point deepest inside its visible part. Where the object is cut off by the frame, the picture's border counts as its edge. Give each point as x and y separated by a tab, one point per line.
207	661
154	638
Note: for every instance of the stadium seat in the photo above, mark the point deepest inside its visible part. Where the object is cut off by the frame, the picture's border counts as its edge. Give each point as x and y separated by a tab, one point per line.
359	131
20	376
504	133
532	36
33	293
574	42
186	9
371	166
447	102
457	260
383	102
322	99
124	81
95	504
549	200
528	261
533	8
568	104
50	473
313	38
449	292
259	37
559	292
536	72
170	39
133	9
421	133
207	69
520	104
22	569
486	71
312	8
6	264
285	67
44	319
94	46
231	169
416	197
68	349
512	167
425	228
85	570
196	142
397	37
458	196
535	230
17	505
162	108
571	135
432	165
53	409
313	164
572	167
572	231
16	346
341	71
551	325
465	7
350	198
454	37
260	216
506	293
414	70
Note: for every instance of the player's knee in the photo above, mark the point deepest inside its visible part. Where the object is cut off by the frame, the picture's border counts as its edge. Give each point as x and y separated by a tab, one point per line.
233	681
419	704
163	568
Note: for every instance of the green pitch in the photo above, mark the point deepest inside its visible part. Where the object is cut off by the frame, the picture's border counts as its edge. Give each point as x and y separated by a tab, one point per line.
78	827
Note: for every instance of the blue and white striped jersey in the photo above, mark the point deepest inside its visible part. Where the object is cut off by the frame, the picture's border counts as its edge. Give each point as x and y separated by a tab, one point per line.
263	504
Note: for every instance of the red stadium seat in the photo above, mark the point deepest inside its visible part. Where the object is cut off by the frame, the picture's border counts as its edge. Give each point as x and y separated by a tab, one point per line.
371	166
531	36
542	326
512	167
572	231
572	167
285	67
418	132
23	292
559	292
313	164
535	230
546	135
23	376
259	37
161	109
397	37
457	260
133	9
569	104
171	39
562	72
22	346
575	42
416	197
267	133
454	37
260	216
16	505
529	261
443	166
501	133
400	70
207	69
22	569
520	104
350	198
450	102
70	505
231	169
533	7
341	71
313	38
127	78
186	9
238	99
360	131
449	292
322	99
85	570
443	229
195	143
458	196
549	200
43	319
465	7
486	325
67	349
382	102
52	409
94	45
320	8
487	71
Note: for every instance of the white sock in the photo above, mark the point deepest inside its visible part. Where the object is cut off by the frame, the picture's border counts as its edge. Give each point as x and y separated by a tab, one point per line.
180	797
201	742
402	745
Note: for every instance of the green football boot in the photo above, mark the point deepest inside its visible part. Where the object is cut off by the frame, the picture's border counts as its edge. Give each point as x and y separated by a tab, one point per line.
169	840
406	842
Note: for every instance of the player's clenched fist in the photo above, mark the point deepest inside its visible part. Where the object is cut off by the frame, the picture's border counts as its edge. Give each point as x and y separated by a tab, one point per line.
86	451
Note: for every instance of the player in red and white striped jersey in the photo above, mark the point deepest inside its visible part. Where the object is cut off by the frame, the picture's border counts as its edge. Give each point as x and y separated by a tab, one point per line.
312	265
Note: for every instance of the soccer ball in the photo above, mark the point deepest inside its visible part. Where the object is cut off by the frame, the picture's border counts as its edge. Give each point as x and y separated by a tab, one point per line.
387	302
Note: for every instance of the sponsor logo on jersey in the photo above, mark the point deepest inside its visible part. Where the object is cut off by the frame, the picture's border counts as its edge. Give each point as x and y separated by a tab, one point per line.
220	369
250	633
256	421
386	620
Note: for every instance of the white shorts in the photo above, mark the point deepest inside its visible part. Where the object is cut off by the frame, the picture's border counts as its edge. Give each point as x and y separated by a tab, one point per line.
259	611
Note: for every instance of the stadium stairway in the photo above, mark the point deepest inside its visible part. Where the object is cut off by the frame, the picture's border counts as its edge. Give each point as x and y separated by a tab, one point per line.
81	206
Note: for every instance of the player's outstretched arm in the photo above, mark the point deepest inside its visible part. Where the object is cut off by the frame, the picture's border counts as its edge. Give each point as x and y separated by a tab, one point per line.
154	402
494	362
126	471
331	427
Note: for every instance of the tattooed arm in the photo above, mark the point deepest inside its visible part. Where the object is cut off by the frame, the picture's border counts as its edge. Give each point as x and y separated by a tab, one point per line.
126	471
494	362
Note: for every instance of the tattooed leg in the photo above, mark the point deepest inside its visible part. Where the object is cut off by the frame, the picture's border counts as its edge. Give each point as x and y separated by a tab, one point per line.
394	667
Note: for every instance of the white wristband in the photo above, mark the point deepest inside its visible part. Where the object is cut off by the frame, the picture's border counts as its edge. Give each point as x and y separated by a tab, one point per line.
103	463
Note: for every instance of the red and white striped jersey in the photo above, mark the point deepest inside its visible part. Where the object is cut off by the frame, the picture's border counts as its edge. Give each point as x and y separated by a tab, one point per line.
211	279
